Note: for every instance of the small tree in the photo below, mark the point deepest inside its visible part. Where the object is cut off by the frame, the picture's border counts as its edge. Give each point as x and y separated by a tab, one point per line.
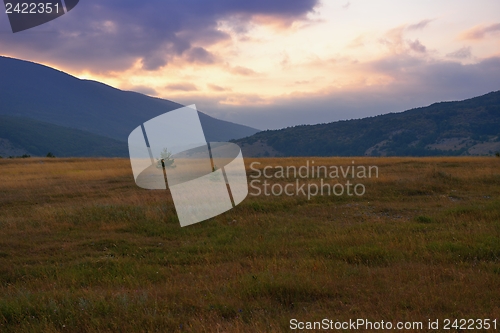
49	154
497	154
166	160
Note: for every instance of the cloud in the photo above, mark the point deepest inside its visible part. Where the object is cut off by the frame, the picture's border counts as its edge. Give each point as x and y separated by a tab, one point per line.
112	35
240	70
463	53
395	41
417	46
200	55
357	42
215	87
285	61
480	32
346	6
244	99
420	25
181	87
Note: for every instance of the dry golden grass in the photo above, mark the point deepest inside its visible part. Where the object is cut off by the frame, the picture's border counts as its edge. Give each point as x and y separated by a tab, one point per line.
82	249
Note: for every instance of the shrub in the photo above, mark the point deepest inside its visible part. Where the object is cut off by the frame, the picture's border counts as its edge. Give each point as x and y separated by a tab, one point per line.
423	219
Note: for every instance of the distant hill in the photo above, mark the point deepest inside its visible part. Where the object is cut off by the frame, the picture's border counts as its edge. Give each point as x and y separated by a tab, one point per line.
42	93
469	127
19	136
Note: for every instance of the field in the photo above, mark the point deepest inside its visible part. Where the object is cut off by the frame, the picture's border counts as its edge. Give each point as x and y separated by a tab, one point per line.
83	249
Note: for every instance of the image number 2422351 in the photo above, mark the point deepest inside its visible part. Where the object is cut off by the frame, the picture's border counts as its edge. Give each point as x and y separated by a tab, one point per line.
25	15
32	8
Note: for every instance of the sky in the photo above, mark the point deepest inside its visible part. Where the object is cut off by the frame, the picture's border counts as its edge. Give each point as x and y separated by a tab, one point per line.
274	64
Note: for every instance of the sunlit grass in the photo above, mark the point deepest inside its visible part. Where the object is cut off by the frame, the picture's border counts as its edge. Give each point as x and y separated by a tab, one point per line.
83	249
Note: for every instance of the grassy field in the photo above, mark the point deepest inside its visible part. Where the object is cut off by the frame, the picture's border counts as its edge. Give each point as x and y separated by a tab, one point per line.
82	249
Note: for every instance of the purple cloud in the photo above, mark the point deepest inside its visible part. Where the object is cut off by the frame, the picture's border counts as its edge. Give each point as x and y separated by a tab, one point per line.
200	55
463	53
417	46
420	25
111	35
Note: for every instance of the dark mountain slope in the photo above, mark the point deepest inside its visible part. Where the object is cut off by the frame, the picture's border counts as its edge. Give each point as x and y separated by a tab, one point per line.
448	128
42	93
27	136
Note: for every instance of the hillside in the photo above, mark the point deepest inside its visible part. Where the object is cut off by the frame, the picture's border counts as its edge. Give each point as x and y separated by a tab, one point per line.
469	127
42	93
19	136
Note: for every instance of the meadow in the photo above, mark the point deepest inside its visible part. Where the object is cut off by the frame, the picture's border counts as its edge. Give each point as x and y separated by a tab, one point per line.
83	249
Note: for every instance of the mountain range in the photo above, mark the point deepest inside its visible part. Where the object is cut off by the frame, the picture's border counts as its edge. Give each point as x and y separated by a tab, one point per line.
45	110
101	114
469	127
